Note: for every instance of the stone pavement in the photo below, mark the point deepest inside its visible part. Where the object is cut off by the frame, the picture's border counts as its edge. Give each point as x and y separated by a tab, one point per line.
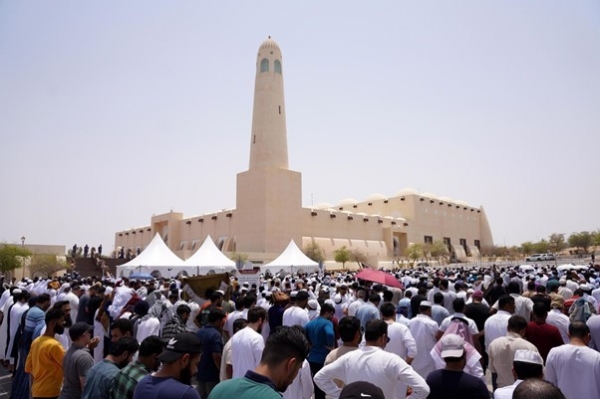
5	382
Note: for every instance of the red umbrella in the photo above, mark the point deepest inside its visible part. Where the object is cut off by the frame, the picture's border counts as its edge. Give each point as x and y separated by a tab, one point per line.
379	277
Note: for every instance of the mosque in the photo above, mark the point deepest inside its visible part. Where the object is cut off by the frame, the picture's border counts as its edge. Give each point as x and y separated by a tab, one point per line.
269	212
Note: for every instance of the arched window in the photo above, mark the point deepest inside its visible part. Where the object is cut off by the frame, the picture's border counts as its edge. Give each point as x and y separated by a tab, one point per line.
278	67
264	65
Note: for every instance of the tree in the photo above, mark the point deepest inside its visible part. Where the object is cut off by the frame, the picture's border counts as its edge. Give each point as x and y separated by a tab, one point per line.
342	256
438	249
581	240
557	242
596	237
356	255
527	248
414	251
45	265
541	246
11	257
314	252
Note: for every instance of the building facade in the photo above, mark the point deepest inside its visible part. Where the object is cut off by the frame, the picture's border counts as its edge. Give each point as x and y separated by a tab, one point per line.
269	210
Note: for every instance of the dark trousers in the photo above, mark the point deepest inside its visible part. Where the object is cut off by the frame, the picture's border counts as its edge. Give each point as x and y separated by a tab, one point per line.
314	369
205	388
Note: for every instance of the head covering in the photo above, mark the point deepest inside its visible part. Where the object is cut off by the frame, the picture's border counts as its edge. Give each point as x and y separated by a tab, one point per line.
178	346
452	346
425	304
313	304
527	356
478	295
361	390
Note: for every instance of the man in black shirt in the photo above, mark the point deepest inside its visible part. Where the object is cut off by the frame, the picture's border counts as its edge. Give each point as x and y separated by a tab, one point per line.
452	382
479	312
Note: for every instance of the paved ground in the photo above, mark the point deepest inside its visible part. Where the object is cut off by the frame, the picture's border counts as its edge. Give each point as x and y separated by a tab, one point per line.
5	382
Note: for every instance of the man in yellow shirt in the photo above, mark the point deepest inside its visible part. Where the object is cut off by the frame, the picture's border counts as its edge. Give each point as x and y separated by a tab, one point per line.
45	360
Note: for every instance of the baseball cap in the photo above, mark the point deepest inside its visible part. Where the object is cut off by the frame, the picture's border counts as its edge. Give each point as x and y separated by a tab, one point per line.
80	328
361	390
183	343
452	346
478	295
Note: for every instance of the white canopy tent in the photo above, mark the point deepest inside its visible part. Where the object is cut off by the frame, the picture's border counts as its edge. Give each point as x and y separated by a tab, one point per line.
157	257
291	260
209	259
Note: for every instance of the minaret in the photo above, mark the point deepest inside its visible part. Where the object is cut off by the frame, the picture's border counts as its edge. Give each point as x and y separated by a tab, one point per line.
268	145
269	195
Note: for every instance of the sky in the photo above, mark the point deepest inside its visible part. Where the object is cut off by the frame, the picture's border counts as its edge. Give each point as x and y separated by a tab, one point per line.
113	111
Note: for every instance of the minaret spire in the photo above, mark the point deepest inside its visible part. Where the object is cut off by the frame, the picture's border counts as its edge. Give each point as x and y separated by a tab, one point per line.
268	145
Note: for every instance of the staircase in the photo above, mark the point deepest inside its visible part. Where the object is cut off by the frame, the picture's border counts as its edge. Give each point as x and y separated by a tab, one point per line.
86	267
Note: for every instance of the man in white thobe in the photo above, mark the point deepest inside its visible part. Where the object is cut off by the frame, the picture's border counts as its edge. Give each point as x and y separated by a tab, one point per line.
247	344
371	363
297	314
425	329
496	325
574	367
526	364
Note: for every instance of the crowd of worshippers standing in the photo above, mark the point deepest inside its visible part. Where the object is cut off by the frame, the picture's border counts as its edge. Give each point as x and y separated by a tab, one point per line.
531	333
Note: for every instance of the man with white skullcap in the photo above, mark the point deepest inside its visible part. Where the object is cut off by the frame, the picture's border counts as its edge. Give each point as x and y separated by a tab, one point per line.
526	364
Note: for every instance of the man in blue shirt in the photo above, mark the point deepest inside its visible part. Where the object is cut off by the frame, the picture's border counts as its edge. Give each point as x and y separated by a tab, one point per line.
369	310
322	338
211	335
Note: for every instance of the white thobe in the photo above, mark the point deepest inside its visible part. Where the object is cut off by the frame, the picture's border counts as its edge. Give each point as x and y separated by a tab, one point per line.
575	370
496	326
295	316
147	328
74	302
523	306
4	297
302	387
4	327
353	307
561	321
386	370
236	314
246	347
225	360
506	392
402	342
99	332
15	319
425	329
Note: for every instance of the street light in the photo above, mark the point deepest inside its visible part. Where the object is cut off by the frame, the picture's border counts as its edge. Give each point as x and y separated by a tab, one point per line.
22	241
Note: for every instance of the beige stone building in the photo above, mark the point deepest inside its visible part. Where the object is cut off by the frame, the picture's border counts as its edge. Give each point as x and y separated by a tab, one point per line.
269	211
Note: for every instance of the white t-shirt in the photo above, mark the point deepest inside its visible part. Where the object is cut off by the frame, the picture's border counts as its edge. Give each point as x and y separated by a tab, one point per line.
246	348
496	326
575	370
295	316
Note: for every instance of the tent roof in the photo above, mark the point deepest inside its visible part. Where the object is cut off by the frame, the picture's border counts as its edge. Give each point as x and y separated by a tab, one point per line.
291	259
209	256
156	254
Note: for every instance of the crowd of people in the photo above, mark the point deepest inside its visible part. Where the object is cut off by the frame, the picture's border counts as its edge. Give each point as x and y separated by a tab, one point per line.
447	333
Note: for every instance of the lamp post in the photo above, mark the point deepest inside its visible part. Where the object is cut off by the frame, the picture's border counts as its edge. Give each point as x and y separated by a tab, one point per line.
23	242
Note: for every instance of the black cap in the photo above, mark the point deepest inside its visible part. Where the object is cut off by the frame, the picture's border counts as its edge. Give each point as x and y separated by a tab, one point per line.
361	390
80	328
183	343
